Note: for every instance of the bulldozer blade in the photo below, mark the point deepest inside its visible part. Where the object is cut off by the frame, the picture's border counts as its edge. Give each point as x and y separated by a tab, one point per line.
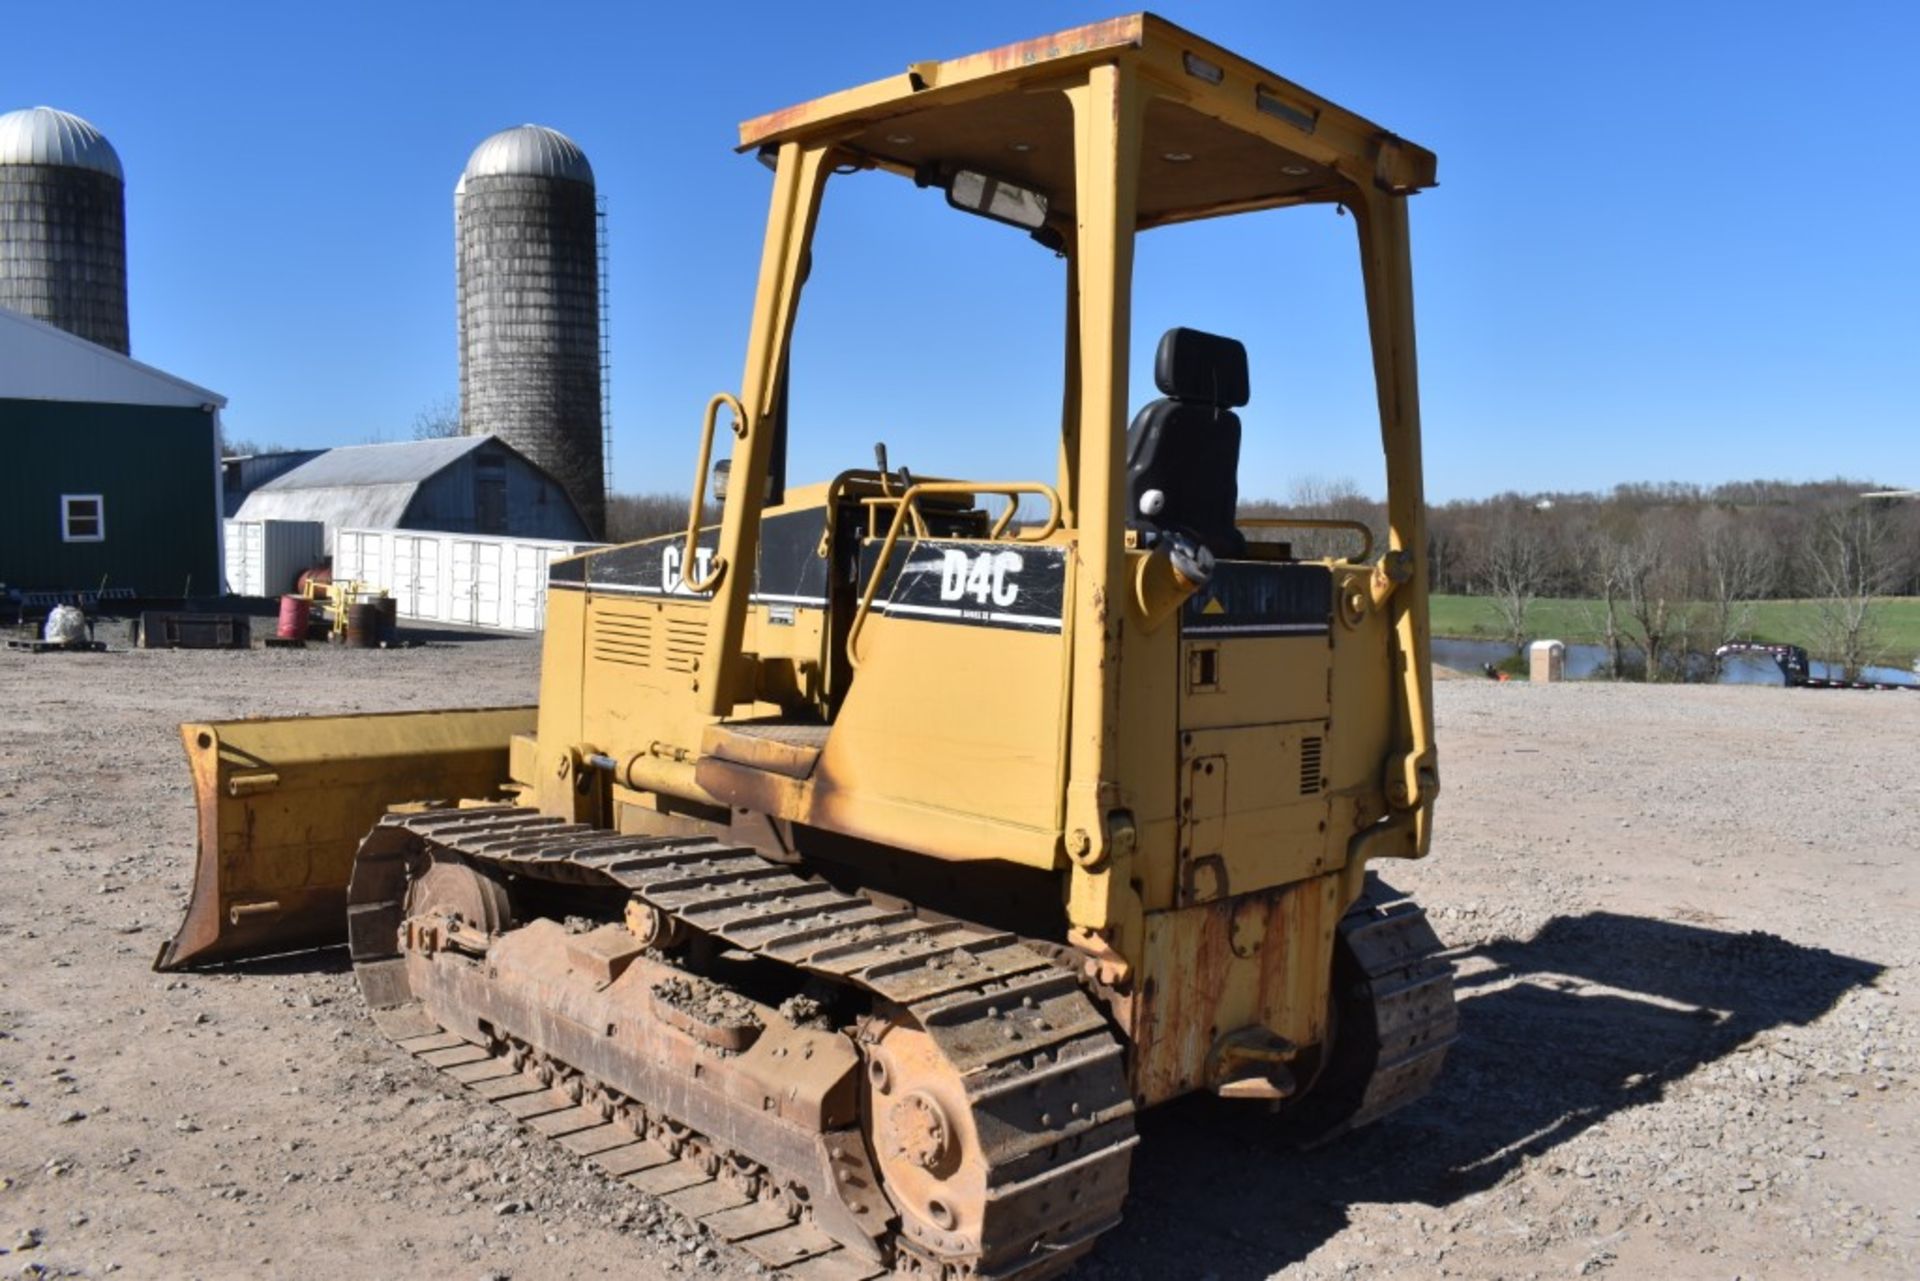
284	803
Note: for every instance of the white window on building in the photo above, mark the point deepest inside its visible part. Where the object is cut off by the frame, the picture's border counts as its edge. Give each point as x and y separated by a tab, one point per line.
83	518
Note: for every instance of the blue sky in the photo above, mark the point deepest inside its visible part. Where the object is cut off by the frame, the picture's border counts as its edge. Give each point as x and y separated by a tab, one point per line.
1671	241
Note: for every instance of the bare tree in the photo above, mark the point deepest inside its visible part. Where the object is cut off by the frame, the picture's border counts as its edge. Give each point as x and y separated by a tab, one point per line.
1597	556
1654	579
244	448
1683	589
1849	560
1903	525
1737	567
438	420
1317	498
1515	563
1611	577
1443	550
631	517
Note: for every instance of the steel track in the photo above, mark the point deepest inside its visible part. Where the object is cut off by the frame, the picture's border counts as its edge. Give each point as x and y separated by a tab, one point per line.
1043	1073
1411	1019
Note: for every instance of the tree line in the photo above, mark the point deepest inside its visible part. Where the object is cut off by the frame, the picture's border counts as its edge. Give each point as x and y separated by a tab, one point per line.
631	517
1674	570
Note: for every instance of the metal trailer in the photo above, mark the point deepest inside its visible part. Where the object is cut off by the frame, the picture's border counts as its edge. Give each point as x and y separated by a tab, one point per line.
467	579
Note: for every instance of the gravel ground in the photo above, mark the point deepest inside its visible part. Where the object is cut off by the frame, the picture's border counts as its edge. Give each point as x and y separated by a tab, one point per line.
1681	920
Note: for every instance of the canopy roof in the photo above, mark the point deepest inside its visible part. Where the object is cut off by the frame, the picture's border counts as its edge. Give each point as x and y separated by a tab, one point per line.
1220	134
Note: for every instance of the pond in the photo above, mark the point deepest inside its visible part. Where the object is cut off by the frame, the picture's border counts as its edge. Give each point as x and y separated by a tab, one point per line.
1589	662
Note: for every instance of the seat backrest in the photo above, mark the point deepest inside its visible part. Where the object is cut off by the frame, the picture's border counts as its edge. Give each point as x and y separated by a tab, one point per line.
1183	451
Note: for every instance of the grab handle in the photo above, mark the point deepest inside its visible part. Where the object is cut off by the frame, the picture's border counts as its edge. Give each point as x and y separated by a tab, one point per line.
688	559
1313	522
908	503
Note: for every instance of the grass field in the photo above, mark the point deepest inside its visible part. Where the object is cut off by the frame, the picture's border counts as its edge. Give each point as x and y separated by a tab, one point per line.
1791	622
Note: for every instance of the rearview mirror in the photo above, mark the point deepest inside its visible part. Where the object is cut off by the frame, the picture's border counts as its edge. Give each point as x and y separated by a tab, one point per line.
996	199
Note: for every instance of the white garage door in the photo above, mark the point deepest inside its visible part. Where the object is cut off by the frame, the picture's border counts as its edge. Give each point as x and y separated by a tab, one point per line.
474	593
416	576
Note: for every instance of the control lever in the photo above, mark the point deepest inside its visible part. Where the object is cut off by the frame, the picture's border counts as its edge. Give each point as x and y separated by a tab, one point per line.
880	463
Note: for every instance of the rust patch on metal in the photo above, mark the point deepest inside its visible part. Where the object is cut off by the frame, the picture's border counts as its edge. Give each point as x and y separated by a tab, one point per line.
712	1014
1022	1082
283	802
1257	961
1108	33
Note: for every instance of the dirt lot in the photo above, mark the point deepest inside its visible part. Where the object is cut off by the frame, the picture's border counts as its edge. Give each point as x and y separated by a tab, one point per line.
1683	921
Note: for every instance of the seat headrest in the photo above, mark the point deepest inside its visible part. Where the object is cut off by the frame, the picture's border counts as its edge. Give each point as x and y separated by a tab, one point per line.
1191	365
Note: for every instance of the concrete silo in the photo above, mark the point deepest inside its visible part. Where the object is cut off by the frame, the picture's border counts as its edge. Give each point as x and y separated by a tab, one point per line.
525	227
63	225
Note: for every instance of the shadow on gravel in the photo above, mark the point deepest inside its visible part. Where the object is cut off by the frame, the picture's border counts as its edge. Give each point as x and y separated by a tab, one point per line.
1595	1014
318	960
452	634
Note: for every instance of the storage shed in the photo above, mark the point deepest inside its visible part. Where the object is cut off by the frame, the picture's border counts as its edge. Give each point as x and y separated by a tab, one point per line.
109	469
241	474
267	557
453	578
456	485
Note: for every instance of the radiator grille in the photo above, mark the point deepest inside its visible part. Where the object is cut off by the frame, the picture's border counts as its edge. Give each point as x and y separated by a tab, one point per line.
625	640
685	639
1311	780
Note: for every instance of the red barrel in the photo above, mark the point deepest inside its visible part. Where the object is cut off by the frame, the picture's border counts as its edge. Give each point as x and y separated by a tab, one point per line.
389	620
295	612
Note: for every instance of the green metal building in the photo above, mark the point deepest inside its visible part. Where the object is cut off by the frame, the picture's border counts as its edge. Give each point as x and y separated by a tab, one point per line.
109	470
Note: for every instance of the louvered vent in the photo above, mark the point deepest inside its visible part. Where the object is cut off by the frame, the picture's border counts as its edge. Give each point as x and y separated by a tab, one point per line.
686	636
627	640
1311	780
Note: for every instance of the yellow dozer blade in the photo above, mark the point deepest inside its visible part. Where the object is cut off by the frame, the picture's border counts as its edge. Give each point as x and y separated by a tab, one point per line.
284	803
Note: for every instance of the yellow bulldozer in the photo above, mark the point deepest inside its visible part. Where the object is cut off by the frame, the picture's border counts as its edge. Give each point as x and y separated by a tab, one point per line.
874	856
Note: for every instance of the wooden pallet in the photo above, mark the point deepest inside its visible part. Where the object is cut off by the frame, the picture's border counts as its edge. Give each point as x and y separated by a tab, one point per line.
58	647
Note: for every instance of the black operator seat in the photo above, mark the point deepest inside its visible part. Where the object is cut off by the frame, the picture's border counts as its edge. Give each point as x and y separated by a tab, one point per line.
1183	452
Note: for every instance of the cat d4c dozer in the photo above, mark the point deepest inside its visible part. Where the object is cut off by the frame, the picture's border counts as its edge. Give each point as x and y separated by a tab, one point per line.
875	855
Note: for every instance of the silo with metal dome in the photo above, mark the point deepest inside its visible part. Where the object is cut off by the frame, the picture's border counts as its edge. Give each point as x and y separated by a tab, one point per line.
526	230
63	225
